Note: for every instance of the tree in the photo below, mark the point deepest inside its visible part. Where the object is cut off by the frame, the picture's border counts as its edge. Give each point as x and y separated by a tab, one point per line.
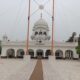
78	47
78	50
79	40
0	48
71	39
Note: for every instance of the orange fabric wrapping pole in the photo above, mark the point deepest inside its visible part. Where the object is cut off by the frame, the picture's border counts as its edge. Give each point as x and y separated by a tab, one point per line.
28	26
52	27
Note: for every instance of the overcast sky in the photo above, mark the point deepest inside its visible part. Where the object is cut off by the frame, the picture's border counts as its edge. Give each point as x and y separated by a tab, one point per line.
13	18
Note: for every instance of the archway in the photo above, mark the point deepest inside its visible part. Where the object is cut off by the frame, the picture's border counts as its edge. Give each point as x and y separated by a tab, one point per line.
59	54
69	54
40	53
31	52
10	53
48	52
20	53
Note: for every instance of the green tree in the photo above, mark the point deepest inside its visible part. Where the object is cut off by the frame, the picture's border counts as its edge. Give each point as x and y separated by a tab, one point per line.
78	50
71	39
78	47
0	48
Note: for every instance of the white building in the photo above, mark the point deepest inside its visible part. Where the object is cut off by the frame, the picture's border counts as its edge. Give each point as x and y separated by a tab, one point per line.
40	45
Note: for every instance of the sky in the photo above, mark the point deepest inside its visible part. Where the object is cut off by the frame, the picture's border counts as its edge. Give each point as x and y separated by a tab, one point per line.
13	18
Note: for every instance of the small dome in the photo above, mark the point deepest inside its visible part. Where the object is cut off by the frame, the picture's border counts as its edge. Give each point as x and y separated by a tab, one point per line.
5	37
41	23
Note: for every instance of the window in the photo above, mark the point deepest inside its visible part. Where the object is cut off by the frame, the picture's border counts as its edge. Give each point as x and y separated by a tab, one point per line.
36	33
45	33
40	33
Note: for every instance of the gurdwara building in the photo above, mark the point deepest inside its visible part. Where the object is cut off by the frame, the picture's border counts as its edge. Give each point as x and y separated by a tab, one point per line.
39	45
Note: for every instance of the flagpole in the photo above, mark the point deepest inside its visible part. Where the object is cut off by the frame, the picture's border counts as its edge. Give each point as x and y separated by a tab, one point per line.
52	26
28	25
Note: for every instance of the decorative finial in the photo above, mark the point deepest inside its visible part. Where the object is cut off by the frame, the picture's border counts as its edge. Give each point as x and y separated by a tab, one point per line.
41	7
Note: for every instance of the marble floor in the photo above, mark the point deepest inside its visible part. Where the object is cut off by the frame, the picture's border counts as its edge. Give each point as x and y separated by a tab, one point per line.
22	69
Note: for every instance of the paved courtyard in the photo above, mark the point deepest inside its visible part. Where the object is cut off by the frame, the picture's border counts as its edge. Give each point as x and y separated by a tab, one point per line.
22	69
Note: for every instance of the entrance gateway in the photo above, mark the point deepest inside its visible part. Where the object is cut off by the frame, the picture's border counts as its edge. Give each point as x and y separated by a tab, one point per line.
40	32
40	53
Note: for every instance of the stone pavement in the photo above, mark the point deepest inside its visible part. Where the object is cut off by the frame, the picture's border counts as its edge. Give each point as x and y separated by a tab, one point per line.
21	69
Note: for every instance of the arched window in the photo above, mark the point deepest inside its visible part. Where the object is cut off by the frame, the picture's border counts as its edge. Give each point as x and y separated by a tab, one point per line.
36	33
45	33
40	33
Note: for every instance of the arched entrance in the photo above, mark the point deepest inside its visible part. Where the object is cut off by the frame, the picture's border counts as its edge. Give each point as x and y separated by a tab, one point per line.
20	53
10	53
69	54
48	52
59	54
31	53
39	53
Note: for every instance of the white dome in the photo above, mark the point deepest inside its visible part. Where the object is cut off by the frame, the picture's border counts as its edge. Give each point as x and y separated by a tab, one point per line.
41	23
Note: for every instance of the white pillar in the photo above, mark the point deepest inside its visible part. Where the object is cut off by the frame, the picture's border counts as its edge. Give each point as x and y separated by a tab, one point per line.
15	52
63	53
44	54
4	52
35	53
24	51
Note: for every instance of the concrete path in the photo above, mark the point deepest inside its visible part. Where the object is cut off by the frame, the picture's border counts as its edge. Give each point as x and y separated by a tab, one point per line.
38	71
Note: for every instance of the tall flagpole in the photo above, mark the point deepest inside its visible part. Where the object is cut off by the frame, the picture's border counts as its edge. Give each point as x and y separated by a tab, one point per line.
52	26
28	26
